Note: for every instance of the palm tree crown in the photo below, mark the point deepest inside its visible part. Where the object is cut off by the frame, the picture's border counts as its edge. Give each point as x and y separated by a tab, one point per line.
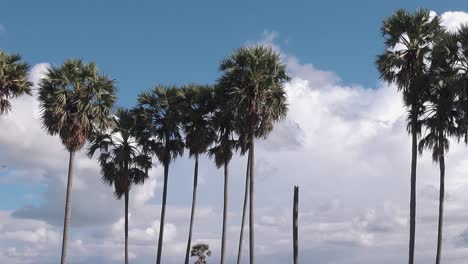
198	109
159	119
75	101
408	41
13	80
254	77
122	162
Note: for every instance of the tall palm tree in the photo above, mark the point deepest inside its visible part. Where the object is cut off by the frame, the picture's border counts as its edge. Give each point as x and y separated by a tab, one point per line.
159	120
255	77
13	80
199	135
408	46
75	100
442	116
223	122
123	163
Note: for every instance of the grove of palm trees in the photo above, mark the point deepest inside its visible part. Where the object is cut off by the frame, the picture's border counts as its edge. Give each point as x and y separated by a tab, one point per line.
224	121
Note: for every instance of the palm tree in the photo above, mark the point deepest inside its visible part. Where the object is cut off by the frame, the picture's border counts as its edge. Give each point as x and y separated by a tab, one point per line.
13	80
159	119
75	100
223	122
199	135
408	42
442	114
123	163
255	77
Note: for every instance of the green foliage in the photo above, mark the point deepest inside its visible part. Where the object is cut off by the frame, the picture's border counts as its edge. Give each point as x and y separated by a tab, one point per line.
406	60
122	161
13	80
197	113
159	122
76	100
222	121
254	78
202	252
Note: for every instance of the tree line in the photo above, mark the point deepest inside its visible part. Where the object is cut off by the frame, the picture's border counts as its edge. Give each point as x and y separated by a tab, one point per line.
77	103
427	63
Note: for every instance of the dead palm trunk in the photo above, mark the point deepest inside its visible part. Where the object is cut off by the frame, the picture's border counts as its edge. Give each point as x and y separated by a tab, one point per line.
126	227
66	221
163	213
441	203
251	207
225	212
295	224
413	192
244	210
192	214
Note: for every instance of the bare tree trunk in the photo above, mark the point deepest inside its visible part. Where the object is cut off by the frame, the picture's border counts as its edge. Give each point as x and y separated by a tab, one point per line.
413	193
66	221
163	213
192	214
225	212
244	210
126	227
295	224
441	206
251	207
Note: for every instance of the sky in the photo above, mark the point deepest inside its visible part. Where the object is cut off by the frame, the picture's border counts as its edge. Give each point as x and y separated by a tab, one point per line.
343	142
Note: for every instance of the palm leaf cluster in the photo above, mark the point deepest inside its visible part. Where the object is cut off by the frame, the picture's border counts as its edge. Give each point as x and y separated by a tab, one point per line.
13	80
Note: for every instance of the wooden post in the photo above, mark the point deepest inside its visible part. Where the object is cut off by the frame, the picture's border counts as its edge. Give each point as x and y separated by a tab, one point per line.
295	224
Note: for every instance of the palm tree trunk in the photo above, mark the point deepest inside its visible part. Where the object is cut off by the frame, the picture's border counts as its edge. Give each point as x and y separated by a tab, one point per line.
441	206
163	213
66	221
126	227
192	214
413	194
251	207
225	212
244	210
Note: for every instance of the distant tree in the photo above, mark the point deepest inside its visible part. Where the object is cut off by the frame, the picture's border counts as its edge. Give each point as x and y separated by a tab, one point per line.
159	121
123	163
13	80
202	252
75	100
409	38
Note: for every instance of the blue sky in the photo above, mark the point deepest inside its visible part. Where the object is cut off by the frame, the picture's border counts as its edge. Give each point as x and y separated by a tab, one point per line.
176	42
353	208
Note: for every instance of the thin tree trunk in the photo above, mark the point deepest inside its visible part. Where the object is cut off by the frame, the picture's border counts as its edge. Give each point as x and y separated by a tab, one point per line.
441	206
192	214
413	194
295	224
225	212
244	210
66	221
126	227
163	213
251	207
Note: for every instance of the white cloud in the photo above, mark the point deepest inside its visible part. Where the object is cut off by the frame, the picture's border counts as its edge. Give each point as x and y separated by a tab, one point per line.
453	19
